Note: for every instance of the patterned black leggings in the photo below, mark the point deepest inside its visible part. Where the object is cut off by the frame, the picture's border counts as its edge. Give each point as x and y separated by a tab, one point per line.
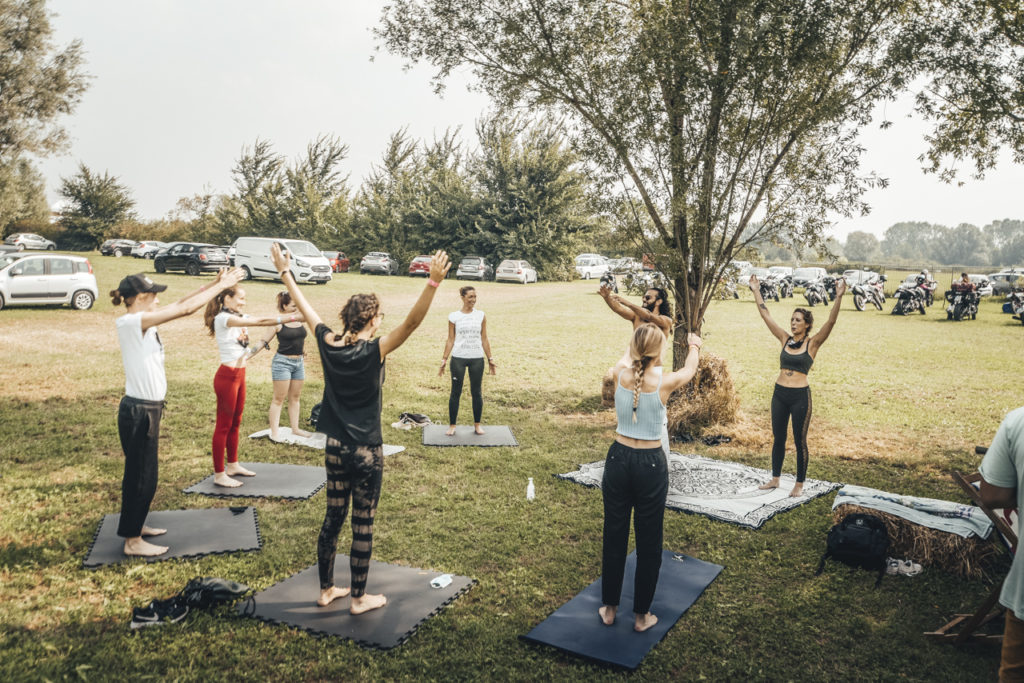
356	472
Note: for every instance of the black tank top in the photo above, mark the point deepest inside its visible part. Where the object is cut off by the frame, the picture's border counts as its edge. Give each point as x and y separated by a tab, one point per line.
290	340
797	362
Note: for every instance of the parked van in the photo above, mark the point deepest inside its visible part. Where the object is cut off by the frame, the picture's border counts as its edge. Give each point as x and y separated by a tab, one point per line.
252	254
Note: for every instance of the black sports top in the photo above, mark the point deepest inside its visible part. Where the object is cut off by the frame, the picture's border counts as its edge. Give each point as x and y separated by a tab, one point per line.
290	340
353	376
797	362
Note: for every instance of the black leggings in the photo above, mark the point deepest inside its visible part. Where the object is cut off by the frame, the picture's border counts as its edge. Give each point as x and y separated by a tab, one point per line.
476	377
635	481
138	425
786	401
356	472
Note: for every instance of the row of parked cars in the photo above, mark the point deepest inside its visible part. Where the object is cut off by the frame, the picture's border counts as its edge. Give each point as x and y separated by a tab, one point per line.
469	268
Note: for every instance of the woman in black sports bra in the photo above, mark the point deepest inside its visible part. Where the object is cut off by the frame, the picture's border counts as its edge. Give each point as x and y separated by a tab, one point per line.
792	396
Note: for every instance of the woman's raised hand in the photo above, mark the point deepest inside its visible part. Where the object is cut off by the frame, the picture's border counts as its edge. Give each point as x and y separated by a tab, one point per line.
754	283
229	278
439	265
841	287
282	259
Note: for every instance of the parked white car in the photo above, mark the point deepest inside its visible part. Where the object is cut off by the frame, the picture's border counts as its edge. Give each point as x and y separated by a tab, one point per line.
48	279
591	265
147	249
856	277
779	272
515	271
28	240
252	255
804	276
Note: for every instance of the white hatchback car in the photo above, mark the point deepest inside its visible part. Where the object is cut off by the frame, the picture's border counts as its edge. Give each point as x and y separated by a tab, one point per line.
515	271
48	279
591	265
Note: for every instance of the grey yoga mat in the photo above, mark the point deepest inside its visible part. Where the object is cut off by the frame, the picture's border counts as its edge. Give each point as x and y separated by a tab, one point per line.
190	533
576	628
411	601
272	480
494	435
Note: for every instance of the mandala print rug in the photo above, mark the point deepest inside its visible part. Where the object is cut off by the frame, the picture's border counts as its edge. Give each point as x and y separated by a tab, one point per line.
720	489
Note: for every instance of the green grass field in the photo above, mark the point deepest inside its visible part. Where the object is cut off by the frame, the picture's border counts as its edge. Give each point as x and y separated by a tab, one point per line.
899	402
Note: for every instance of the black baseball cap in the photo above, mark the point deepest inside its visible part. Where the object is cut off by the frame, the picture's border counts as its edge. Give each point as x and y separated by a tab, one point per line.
138	284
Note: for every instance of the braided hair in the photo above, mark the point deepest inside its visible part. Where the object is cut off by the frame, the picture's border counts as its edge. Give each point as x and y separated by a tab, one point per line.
645	346
357	313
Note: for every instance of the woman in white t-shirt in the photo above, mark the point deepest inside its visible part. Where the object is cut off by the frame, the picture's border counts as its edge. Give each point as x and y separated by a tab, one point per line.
229	326
138	416
468	346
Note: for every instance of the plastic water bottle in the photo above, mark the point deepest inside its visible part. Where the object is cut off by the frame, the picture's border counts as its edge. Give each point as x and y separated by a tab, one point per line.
530	491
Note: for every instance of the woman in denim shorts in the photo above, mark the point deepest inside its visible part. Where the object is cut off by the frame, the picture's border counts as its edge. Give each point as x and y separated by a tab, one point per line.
287	369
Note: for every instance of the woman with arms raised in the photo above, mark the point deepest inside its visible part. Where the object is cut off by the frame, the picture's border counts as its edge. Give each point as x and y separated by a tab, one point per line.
636	472
353	364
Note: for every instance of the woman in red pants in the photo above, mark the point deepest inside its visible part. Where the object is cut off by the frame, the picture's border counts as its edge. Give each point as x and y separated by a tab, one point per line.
228	325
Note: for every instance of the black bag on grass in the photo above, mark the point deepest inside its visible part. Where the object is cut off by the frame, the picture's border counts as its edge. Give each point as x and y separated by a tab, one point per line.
201	593
314	415
858	540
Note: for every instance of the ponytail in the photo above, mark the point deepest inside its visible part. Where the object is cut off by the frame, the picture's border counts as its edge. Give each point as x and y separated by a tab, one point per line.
117	299
213	307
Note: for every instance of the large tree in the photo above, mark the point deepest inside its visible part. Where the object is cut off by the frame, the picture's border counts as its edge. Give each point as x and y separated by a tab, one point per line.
727	121
974	56
22	197
94	204
39	82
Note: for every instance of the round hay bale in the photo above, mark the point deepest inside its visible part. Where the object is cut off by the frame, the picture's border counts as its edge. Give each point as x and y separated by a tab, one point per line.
709	399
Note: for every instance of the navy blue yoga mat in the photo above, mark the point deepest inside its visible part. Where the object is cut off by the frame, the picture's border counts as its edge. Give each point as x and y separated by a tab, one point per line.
576	628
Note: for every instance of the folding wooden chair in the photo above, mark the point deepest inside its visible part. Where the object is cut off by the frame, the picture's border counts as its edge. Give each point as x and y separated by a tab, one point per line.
968	624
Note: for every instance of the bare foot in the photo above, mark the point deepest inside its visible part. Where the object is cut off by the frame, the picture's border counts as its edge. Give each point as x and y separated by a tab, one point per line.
773	484
607	614
152	531
222	479
136	547
797	491
367	603
451	431
302	433
235	469
644	622
275	437
478	429
329	595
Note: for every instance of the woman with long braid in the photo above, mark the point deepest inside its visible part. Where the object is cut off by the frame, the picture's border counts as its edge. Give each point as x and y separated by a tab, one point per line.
636	472
353	364
226	322
792	395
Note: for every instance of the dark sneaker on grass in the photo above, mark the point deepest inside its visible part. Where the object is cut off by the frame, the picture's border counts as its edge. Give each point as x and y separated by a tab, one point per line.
159	612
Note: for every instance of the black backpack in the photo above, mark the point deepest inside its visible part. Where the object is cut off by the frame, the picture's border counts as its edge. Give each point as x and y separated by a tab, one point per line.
858	540
314	415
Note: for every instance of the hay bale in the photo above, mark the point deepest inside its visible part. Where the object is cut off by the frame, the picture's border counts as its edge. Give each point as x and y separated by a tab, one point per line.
964	557
709	399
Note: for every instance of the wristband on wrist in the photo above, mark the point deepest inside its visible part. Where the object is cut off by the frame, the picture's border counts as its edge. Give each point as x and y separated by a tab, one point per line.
432	283
278	320
283	273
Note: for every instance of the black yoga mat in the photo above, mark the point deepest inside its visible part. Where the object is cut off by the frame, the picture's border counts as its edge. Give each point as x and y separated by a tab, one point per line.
494	435
190	533
271	481
411	601
576	628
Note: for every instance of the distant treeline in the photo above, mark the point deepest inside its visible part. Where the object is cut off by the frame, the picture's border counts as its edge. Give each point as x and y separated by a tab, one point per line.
521	192
999	243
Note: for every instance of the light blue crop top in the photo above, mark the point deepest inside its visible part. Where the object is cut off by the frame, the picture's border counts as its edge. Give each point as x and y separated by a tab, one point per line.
650	412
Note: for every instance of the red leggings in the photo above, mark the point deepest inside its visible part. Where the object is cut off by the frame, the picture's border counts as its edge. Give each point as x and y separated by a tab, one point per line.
229	385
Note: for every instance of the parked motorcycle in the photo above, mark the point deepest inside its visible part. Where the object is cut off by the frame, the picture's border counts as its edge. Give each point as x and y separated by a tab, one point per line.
962	303
815	293
908	300
786	287
829	283
609	280
1015	300
769	289
865	293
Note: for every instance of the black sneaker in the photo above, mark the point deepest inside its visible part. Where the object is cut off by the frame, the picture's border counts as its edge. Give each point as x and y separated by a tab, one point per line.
145	616
171	610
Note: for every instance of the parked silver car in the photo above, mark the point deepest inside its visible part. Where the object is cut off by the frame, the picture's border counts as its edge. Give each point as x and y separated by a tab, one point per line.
378	262
515	271
28	240
147	249
1006	281
48	279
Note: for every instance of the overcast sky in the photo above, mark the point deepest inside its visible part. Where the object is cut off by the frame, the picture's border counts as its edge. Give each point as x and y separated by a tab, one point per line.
180	86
